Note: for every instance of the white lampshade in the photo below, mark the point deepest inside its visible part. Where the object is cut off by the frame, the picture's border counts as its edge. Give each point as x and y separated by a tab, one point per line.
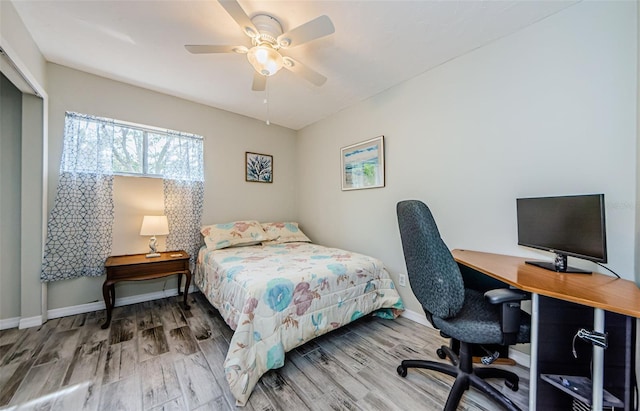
265	59
154	225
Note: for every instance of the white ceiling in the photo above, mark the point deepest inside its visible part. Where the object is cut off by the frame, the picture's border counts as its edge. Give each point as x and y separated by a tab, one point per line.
376	45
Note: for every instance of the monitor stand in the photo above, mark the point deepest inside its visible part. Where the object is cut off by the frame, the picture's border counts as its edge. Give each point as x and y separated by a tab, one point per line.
559	265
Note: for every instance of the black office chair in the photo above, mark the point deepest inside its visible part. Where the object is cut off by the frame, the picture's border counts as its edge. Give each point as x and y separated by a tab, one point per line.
469	317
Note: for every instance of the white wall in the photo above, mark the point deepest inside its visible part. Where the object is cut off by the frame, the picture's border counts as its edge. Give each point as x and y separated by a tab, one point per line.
637	207
226	138
637	228
17	41
550	110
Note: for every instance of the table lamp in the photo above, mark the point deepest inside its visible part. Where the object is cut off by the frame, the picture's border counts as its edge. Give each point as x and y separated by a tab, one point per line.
154	225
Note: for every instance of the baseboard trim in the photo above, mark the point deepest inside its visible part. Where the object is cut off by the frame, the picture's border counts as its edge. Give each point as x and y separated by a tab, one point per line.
9	323
99	305
36	321
519	357
28	322
419	318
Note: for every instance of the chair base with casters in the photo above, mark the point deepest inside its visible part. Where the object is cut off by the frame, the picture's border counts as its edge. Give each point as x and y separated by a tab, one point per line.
466	376
450	351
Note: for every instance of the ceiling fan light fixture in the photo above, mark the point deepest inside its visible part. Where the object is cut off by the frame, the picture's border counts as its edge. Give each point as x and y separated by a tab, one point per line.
265	60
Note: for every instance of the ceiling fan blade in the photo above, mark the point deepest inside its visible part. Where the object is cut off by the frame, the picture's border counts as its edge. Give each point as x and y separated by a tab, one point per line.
238	14
303	71
203	49
259	82
311	30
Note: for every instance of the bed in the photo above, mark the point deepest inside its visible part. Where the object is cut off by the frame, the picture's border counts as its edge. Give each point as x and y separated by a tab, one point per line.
278	294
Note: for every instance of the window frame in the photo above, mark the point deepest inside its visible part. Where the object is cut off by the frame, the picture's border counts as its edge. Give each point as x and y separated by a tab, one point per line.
145	145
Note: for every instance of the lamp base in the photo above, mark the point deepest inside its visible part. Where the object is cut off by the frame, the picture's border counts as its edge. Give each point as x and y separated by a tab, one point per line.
153	247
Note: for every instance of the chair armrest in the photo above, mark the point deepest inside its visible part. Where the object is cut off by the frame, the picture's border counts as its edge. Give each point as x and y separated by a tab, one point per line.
509	311
504	295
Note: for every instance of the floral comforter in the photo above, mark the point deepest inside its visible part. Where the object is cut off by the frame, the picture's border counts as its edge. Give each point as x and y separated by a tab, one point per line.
277	297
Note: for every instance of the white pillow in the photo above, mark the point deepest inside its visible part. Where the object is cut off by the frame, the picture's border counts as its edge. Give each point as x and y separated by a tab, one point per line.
283	232
231	234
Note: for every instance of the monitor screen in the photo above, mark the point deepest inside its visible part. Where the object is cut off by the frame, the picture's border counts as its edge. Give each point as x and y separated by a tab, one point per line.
567	225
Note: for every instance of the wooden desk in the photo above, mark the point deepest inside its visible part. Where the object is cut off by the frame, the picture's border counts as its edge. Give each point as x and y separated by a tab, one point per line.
593	290
137	267
602	292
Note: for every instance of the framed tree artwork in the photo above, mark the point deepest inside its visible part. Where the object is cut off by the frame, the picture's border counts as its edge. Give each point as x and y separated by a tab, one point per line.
363	164
259	167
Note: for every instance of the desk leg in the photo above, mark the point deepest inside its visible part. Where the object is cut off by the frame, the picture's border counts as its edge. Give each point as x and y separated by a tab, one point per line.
180	283
598	362
186	289
533	366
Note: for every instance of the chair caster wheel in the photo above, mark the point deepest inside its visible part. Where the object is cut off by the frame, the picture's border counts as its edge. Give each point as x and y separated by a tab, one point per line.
511	385
401	371
441	354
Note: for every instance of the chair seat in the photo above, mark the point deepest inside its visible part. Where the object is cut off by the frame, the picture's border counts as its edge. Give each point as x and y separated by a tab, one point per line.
478	322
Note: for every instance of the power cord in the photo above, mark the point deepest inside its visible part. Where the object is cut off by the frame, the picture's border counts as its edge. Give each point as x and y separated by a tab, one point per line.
607	268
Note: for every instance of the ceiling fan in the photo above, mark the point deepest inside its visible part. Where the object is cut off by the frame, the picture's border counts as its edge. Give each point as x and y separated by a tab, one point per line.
267	40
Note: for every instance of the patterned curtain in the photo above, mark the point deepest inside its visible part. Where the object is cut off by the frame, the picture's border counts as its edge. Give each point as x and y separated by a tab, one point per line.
80	225
184	193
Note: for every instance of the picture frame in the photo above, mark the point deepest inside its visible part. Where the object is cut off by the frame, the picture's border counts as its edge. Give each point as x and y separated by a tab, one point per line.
362	164
258	167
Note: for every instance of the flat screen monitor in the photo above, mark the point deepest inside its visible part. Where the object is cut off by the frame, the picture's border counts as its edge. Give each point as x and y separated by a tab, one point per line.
566	225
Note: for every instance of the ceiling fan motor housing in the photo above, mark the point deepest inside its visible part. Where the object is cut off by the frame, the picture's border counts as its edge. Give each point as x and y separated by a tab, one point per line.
269	29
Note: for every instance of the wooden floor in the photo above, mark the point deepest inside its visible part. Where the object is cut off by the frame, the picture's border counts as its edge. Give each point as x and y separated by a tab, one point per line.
157	356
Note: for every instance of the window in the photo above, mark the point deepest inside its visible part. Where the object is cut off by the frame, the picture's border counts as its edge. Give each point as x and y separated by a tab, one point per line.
139	150
135	149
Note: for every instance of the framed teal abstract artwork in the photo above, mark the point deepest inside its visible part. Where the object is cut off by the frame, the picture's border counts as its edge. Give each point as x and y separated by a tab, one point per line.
259	167
363	164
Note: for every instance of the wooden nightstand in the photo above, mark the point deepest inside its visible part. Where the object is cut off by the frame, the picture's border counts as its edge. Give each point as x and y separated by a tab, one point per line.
137	267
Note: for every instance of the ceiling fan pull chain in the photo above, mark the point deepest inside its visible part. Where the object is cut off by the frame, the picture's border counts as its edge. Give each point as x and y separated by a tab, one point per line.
266	101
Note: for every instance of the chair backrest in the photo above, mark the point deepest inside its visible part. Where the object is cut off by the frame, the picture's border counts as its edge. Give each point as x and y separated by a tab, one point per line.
433	273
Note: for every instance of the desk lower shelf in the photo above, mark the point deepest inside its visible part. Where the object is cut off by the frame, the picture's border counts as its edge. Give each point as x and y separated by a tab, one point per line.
580	388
